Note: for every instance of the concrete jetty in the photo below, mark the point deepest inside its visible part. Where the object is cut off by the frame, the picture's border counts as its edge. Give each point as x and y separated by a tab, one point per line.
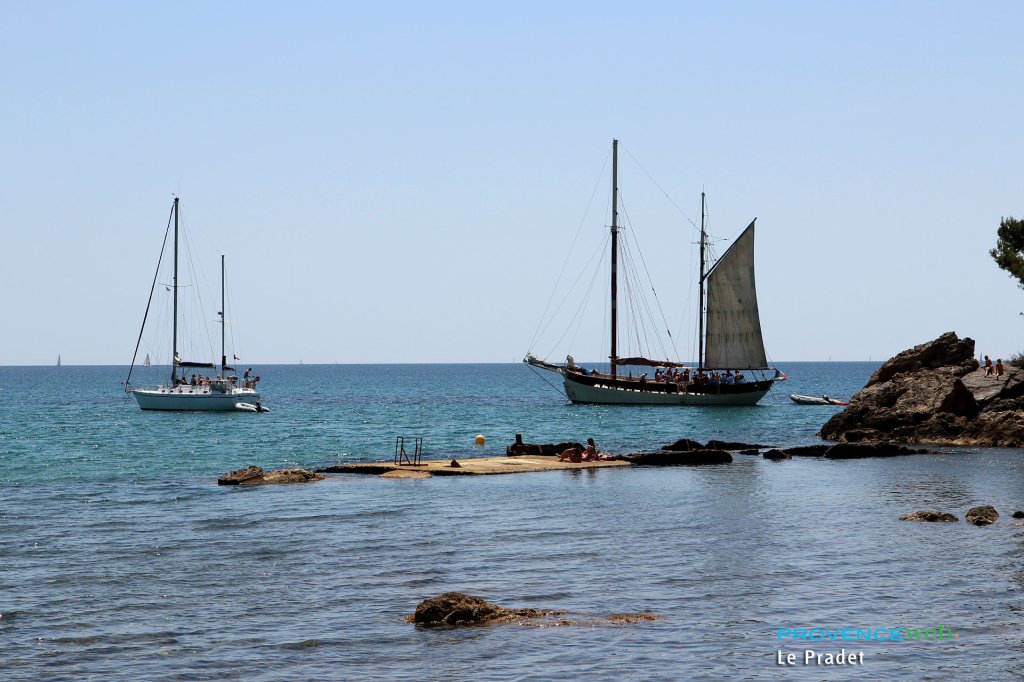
477	466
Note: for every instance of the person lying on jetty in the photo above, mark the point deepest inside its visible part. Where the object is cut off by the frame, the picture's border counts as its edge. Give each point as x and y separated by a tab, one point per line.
573	454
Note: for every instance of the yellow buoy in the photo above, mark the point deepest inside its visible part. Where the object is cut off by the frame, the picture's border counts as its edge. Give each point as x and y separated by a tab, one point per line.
480	440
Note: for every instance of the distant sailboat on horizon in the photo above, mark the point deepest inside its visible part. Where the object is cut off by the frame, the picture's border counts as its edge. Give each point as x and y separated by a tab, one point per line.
146	363
58	359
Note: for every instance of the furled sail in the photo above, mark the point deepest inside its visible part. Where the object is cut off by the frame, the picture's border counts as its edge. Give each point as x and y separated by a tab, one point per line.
733	324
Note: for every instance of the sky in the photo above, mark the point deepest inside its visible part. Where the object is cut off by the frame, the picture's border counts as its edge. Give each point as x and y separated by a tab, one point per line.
402	182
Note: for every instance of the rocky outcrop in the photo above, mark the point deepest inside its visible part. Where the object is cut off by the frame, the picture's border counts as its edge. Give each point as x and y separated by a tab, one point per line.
930	517
687	445
520	449
456	608
254	475
982	516
668	458
1018	514
776	455
935	393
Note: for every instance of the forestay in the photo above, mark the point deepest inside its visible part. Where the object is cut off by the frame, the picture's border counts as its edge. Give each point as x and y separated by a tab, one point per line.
733	323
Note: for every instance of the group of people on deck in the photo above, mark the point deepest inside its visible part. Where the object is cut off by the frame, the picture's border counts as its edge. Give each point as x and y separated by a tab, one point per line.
698	378
248	380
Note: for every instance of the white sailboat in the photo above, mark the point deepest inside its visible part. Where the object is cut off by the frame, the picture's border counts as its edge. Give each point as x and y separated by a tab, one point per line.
221	394
730	345
58	359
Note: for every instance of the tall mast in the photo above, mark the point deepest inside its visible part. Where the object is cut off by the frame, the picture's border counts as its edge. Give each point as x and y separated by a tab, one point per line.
615	251
174	344
700	307
223	357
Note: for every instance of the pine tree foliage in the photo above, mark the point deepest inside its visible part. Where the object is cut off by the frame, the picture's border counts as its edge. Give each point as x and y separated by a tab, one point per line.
1009	251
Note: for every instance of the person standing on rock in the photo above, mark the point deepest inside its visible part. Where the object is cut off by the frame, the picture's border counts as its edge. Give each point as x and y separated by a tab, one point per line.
999	367
988	366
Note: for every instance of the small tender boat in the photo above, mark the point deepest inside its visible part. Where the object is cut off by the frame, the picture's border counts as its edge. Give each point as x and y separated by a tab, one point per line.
251	407
814	400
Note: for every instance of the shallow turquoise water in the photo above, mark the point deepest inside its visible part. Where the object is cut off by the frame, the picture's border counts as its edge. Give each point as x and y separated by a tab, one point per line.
120	557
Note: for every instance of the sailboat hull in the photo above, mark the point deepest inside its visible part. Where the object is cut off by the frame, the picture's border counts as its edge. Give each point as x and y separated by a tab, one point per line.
194	399
604	390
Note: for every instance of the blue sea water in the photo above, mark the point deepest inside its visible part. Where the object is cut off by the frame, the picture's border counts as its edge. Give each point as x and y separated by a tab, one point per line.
121	558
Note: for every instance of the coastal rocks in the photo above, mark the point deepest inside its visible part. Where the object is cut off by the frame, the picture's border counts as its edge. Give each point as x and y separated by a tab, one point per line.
1018	514
982	516
776	455
930	517
681	458
456	608
254	475
250	473
861	450
935	393
807	450
520	449
687	445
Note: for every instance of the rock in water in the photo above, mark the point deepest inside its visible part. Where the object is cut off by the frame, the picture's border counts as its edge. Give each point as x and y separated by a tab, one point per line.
683	457
254	475
930	517
1018	514
776	455
456	608
982	516
240	476
935	393
292	476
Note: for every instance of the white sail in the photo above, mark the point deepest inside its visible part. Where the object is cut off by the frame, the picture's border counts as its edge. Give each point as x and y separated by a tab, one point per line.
146	363
733	324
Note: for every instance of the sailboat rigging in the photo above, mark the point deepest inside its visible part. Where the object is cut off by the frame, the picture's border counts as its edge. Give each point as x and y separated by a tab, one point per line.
213	394
729	337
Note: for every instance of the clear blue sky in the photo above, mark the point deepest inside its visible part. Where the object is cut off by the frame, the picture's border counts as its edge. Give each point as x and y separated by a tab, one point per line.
402	180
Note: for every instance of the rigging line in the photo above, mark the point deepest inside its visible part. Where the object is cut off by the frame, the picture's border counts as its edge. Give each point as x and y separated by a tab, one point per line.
577	318
152	288
198	299
651	178
545	380
590	289
572	246
572	288
635	310
650	281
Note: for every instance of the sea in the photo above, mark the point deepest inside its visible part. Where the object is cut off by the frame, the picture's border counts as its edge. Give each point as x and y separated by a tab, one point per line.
121	557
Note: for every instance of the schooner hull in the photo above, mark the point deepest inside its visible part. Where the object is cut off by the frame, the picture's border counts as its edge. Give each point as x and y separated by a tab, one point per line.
188	399
607	391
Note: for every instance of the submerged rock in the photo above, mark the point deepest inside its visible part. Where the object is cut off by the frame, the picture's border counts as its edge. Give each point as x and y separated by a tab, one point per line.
807	450
930	517
982	516
860	450
680	458
456	608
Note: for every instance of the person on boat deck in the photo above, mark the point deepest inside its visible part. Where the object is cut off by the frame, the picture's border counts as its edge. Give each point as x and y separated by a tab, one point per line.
643	377
193	382
727	377
573	454
686	374
739	378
